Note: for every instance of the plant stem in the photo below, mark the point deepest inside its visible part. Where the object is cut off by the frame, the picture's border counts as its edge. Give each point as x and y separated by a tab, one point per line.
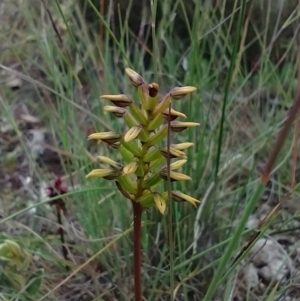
170	220
137	226
61	233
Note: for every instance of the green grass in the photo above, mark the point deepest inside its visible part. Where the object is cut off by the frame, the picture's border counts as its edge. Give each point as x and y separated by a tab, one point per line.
62	82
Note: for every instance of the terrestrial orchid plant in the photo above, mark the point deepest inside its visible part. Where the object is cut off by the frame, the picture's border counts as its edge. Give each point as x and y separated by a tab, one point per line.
139	175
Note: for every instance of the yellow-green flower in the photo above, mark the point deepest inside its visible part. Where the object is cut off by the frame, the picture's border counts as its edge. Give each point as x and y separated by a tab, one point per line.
142	170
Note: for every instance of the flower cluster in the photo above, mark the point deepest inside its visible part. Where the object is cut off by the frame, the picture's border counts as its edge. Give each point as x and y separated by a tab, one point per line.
148	124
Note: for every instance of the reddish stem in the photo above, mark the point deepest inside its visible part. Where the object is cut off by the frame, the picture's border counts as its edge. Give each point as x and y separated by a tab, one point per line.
61	233
137	226
292	115
295	154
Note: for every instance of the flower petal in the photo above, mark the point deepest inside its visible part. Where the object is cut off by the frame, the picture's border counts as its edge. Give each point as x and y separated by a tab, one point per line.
159	202
111	162
134	77
182	146
103	173
177	126
108	137
130	168
133	133
173	114
174	176
180	92
174	153
120	100
117	111
178	196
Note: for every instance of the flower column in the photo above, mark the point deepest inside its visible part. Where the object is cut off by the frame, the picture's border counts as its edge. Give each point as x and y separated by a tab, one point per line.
139	176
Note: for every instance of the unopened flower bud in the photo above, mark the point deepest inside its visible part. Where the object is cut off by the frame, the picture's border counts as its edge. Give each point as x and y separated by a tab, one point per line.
110	162
117	111
153	97
178	196
180	92
108	174
120	100
173	152
133	133
176	165
177	126
182	146
130	168
108	137
174	176
134	77
153	89
170	116
160	202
